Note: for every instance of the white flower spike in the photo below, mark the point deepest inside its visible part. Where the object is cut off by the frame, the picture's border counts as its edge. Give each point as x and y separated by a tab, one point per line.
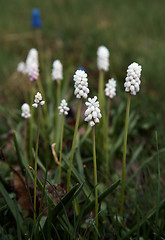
25	111
92	114
110	89
21	67
63	109
32	65
81	84
31	57
103	58
38	100
132	81
57	73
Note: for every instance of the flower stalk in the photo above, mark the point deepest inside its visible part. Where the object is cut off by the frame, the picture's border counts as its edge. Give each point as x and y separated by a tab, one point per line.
93	115
132	86
110	92
31	128
81	91
25	138
38	102
63	110
101	89
56	135
35	165
95	175
107	140
61	144
124	155
74	142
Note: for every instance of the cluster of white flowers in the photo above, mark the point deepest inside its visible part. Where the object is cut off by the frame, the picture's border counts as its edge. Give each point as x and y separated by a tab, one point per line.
110	89
63	108
25	111
92	114
81	84
57	70
103	58
38	100
132	81
32	65
21	67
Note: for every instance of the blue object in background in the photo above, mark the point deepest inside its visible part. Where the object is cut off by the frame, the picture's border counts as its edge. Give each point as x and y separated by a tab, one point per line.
36	20
81	68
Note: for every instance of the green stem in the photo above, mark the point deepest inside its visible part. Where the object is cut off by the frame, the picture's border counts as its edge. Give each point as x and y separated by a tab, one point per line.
101	90
87	132
61	143
31	127
124	155
107	142
95	176
74	142
56	135
35	167
25	137
102	124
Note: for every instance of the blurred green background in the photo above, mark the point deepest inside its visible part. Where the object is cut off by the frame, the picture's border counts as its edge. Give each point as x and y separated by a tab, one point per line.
72	31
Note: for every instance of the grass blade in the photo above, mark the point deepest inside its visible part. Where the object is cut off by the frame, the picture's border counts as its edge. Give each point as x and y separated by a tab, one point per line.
14	210
81	180
103	195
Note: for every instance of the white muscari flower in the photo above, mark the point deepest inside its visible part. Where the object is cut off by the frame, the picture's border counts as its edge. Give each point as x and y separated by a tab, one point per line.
103	58
25	111
33	72
38	100
132	81
110	89
32	56
81	84
92	114
63	108
57	73
21	67
32	64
